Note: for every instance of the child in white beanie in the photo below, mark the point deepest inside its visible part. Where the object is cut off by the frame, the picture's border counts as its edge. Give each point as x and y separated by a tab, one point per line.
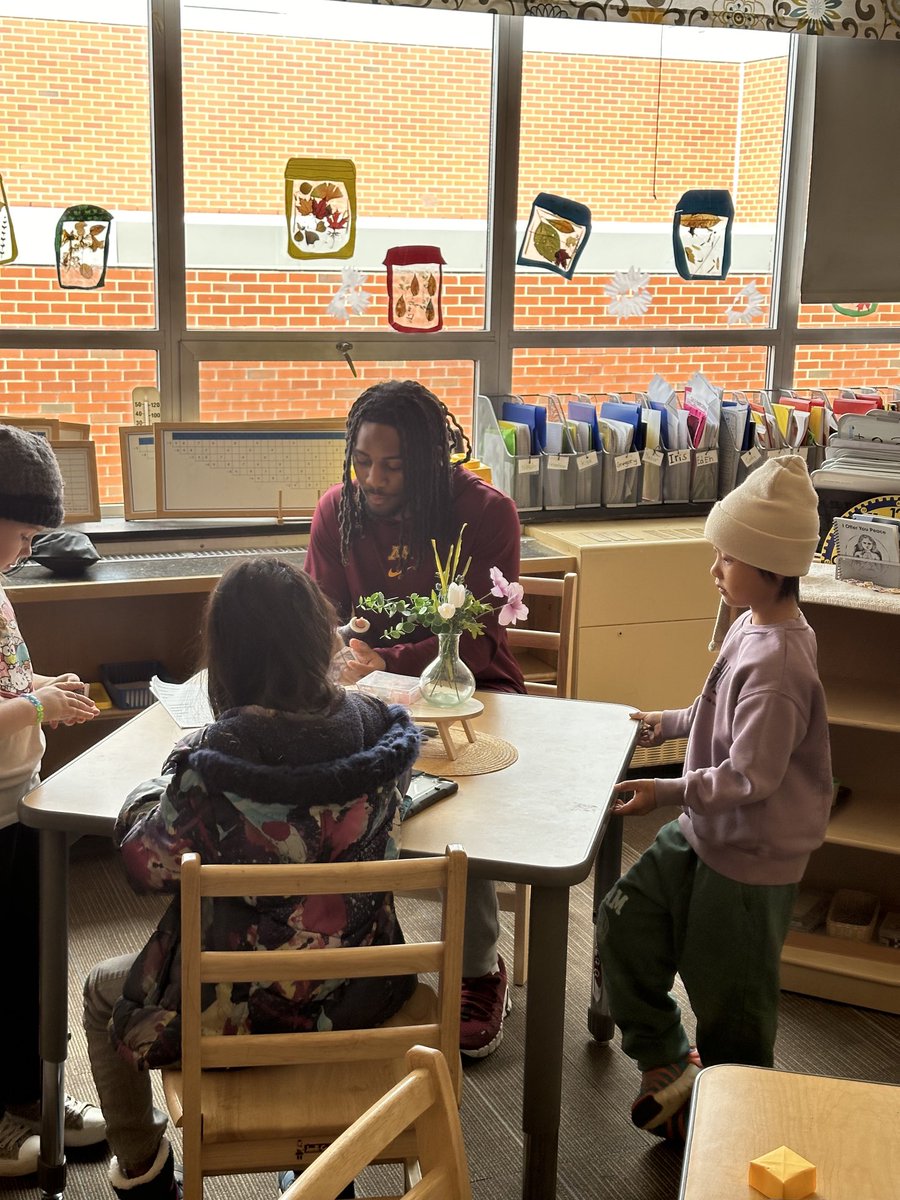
31	499
711	899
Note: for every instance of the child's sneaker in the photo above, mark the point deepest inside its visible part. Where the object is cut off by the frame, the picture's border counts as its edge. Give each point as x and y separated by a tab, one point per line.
484	1004
83	1124
19	1148
661	1108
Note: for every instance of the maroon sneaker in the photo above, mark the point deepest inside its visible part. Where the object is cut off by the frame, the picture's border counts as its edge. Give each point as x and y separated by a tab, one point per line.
485	1002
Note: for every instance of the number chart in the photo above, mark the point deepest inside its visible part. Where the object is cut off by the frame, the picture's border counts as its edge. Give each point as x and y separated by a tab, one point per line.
231	469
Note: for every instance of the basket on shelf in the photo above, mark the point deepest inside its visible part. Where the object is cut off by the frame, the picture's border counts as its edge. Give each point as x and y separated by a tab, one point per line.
853	915
669	752
128	683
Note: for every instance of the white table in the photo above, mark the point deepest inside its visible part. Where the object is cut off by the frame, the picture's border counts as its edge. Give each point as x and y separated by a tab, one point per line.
539	821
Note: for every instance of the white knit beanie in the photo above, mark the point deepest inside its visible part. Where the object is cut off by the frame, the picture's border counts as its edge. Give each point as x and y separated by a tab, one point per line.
771	521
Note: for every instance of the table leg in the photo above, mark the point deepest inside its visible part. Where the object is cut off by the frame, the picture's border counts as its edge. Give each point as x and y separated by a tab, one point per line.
607	869
544	1022
54	927
446	738
469	734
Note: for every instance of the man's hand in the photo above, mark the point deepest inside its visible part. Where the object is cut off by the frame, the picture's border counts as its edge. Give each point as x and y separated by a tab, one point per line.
642	799
651	728
364	661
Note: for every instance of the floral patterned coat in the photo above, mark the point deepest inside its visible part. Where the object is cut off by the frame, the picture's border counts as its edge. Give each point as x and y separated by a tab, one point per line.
267	787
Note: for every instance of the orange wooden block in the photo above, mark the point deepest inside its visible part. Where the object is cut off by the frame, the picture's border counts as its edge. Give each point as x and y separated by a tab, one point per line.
783	1175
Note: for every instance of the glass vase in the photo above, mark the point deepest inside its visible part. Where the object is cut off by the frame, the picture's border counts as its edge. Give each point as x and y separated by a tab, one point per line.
447	681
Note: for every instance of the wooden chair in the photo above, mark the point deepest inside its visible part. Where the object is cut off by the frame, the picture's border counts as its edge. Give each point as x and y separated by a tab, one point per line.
542	678
424	1100
300	1091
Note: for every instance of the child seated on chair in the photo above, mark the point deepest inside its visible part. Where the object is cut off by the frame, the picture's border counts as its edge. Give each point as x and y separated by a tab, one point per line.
293	769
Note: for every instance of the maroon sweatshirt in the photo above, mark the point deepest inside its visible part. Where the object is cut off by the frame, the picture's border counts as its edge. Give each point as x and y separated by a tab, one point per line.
379	562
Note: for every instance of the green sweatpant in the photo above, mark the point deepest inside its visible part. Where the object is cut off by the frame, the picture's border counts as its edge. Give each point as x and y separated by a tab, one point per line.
670	913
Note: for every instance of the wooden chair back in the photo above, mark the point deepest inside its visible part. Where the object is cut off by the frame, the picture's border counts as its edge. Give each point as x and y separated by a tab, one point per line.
425	1100
543	678
301	1090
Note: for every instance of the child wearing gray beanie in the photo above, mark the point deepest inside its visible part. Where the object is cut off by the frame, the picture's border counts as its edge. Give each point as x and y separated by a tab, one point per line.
711	899
31	498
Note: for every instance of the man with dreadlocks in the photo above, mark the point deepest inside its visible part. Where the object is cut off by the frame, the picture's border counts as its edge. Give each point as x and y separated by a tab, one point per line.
373	533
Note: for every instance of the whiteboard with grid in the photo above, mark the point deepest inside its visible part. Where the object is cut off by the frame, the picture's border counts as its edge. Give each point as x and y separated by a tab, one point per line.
266	469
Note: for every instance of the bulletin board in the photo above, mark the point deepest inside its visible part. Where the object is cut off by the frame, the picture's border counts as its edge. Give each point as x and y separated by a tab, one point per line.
228	469
78	467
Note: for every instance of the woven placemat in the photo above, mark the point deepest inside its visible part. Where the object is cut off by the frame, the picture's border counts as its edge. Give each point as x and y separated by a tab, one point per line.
487	753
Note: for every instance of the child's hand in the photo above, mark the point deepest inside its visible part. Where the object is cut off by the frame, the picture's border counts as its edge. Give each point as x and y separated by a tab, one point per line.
651	728
364	661
68	680
641	800
66	703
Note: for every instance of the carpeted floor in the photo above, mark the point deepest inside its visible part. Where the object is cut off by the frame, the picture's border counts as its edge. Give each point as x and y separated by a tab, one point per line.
602	1156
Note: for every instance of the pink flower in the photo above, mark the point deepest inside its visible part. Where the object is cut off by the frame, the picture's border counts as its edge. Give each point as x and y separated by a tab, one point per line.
513	610
501	585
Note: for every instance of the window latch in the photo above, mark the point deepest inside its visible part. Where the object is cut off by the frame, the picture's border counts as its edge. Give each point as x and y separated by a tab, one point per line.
344	348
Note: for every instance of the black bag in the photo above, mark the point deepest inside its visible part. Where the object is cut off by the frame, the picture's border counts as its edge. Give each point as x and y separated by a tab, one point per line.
63	551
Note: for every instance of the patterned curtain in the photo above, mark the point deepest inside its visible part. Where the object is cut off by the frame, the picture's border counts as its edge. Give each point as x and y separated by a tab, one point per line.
878	19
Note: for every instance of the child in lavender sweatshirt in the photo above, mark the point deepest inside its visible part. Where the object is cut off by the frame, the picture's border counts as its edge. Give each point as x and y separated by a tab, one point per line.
711	899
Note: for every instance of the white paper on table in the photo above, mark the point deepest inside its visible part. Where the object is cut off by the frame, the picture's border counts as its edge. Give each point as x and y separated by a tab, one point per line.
186	703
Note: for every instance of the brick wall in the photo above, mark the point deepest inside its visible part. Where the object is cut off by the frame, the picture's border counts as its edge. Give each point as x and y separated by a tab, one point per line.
612	132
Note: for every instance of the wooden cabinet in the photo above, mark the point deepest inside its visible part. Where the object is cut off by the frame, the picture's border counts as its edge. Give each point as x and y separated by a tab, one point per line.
645	613
858	632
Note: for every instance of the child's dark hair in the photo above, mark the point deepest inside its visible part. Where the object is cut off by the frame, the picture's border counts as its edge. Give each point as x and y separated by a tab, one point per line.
429	434
790	585
268	639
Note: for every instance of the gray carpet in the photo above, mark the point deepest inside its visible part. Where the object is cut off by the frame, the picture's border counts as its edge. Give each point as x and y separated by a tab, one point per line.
602	1156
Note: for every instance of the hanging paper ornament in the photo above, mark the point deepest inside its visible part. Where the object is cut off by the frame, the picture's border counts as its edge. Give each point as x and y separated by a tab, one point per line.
349	296
628	293
320	207
701	234
82	246
863	309
556	233
747	305
414	287
8	249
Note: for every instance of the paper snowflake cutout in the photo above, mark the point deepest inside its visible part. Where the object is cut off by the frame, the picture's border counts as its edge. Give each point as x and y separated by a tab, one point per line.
628	293
349	296
747	305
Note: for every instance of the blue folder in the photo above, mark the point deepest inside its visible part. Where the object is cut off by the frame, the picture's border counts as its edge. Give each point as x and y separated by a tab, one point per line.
532	416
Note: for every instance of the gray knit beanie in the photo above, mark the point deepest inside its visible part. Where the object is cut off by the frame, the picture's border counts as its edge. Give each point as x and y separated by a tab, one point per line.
31	486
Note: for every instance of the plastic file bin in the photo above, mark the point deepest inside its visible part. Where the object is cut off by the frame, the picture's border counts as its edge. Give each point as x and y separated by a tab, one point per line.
520	476
128	683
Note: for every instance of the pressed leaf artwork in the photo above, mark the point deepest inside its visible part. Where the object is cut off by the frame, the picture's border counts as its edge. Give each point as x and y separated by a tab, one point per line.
414	277
320	207
82	246
555	235
9	251
701	234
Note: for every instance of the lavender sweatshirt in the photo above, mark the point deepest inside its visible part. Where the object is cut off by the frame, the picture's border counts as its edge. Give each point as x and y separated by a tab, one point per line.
756	789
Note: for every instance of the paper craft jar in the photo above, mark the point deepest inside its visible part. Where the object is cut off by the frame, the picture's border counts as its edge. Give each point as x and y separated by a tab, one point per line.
701	234
556	233
320	207
415	287
9	251
82	246
782	1175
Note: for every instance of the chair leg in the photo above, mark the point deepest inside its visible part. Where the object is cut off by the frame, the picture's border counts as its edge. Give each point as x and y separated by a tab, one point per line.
522	911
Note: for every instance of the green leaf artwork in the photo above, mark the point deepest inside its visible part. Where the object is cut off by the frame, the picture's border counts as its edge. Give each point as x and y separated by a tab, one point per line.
546	241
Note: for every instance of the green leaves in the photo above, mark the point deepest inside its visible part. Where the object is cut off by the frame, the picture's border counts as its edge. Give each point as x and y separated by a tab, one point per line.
546	241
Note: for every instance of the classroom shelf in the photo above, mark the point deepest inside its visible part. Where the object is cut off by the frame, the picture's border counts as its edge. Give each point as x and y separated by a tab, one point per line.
860	973
868	822
863	704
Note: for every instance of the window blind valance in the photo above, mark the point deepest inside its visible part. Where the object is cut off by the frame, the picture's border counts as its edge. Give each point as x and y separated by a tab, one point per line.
875	19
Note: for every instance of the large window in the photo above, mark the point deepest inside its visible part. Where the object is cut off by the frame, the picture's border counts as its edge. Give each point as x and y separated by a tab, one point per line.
454	122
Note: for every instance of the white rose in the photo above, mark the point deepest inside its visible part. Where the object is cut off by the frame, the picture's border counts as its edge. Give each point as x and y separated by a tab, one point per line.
456	595
446	611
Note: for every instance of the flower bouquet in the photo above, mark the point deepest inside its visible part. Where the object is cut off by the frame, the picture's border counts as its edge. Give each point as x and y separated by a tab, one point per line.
448	611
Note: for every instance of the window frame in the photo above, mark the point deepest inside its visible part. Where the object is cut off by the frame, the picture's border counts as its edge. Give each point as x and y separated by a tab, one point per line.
180	349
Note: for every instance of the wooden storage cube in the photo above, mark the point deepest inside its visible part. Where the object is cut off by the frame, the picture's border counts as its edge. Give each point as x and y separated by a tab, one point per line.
852	914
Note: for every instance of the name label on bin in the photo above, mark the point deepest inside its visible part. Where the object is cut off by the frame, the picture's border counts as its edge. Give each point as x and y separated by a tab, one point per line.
587	460
558	462
676	457
528	466
653	458
749	457
624	461
706	458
